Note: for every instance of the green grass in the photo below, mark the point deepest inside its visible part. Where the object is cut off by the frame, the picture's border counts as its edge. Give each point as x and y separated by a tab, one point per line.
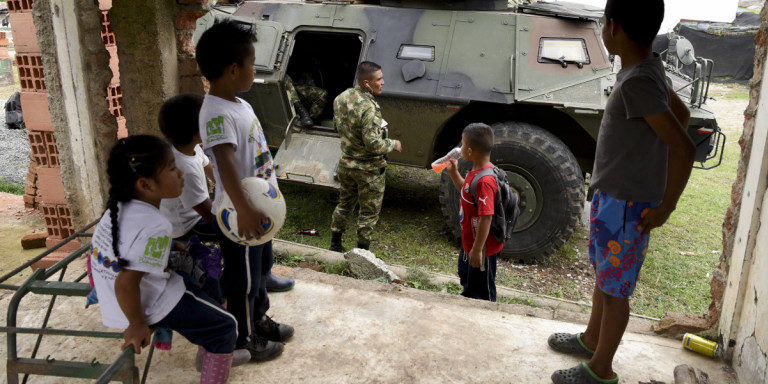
9	187
411	232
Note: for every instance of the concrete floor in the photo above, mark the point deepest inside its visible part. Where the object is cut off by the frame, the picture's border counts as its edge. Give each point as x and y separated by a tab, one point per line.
351	331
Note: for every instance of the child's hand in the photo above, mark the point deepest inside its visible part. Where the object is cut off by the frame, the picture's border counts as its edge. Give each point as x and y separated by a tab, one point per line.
452	166
137	335
476	258
654	218
249	221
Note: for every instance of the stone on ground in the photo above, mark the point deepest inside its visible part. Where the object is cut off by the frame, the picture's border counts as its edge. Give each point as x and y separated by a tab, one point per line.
685	374
363	264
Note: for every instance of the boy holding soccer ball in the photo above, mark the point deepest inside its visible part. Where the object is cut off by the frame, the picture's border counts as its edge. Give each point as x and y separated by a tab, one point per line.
232	134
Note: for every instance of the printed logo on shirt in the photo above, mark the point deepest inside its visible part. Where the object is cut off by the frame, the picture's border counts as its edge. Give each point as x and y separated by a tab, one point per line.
251	136
154	251
108	263
483	199
214	128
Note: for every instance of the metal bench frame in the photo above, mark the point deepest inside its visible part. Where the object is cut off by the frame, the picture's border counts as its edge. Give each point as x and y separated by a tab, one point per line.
122	369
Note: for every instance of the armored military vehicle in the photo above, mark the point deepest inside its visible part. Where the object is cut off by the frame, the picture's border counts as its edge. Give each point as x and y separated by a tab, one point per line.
538	73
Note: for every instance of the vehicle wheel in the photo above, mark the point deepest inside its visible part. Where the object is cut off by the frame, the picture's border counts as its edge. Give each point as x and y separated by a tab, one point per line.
549	180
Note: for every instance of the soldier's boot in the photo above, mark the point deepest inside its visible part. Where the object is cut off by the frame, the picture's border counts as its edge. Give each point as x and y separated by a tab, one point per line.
304	118
363	244
336	242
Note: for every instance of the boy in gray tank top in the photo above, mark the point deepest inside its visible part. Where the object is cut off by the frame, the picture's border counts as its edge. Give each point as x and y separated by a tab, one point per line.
642	164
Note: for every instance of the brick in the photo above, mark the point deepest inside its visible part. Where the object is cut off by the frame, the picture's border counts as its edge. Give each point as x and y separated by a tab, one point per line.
50	187
188	66
186	43
19	5
114	63
3	39
187	19
30	190
115	100
58	221
33	240
42	145
107	34
69	247
192	84
122	131
29	201
105	5
31	76
37	116
24	34
50	260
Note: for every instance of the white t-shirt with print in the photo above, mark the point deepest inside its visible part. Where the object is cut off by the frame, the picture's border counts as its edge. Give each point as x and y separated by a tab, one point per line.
226	122
180	211
145	242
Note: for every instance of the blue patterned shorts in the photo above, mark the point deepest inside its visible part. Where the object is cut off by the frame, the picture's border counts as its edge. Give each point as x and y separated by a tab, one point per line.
616	247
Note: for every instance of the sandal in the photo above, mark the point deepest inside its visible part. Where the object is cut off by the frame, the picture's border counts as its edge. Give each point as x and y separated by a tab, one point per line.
569	343
581	374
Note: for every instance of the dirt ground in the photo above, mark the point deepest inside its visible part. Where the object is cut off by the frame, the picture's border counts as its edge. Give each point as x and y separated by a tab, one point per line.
15	222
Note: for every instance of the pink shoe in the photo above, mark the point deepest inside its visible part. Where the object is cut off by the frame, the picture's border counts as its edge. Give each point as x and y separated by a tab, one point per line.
215	368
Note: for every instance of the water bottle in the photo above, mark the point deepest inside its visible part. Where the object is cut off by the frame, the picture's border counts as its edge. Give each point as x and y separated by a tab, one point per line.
441	163
308	232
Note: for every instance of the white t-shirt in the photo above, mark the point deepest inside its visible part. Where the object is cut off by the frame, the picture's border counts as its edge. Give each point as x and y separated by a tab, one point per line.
226	122
180	211
145	242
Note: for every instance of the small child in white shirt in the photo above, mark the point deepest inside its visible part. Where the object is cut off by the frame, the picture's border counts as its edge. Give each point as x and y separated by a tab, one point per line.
190	213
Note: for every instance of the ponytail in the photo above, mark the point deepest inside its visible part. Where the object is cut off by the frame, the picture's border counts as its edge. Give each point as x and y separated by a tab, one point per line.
131	158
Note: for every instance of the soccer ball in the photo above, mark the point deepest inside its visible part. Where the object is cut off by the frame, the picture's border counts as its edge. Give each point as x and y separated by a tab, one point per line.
263	196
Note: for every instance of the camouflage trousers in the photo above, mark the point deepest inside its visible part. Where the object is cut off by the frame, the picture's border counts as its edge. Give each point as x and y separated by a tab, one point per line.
365	188
308	95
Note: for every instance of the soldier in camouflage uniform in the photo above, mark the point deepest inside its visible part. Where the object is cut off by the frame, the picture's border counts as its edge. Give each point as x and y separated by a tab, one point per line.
364	145
299	94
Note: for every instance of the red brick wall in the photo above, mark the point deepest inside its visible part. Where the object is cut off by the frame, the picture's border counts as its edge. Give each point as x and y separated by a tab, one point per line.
44	188
187	13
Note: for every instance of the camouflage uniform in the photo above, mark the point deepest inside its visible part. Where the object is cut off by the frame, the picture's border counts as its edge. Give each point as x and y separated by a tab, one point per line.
307	94
364	144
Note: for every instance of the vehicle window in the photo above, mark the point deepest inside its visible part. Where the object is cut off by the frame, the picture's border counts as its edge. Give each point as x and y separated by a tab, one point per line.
561	50
416	52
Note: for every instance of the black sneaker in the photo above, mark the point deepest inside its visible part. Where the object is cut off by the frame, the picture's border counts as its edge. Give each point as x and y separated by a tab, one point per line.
271	330
262	349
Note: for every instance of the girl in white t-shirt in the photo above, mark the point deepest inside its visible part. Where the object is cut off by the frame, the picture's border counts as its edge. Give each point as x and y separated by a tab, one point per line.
129	255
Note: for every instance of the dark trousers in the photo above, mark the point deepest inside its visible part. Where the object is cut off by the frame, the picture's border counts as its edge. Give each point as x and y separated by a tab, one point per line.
202	321
243	283
204	231
478	284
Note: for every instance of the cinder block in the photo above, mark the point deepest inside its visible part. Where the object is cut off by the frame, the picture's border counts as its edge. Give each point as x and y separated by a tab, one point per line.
49	260
24	34
31	74
50	187
19	5
37	116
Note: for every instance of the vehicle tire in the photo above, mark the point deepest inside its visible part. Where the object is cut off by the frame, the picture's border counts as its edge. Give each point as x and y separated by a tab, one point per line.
549	180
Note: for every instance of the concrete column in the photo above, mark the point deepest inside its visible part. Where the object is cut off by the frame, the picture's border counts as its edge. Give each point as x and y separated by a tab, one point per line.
743	330
76	74
146	45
